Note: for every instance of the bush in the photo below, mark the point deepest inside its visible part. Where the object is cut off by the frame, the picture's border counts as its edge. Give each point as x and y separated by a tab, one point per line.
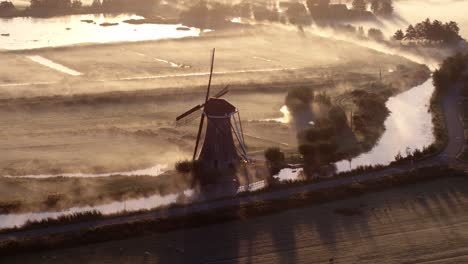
320	133
184	166
8	207
297	14
375	34
262	13
338	116
274	155
299	98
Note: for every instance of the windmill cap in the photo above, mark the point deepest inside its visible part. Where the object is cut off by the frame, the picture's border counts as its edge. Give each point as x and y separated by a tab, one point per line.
219	107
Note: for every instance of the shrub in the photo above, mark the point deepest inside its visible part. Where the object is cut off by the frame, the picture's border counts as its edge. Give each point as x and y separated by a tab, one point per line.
7	207
274	155
299	98
338	116
375	34
184	166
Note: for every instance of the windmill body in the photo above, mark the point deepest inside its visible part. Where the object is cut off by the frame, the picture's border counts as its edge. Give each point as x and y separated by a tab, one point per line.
219	150
223	130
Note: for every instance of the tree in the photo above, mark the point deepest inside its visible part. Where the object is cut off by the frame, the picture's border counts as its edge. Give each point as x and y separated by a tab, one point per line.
7	8
375	6
197	15
48	5
184	166
97	4
386	8
77	4
453	27
399	35
338	116
261	13
410	33
359	5
375	34
318	3
6	5
299	98
276	160
398	157
274	155
434	31
361	32
297	14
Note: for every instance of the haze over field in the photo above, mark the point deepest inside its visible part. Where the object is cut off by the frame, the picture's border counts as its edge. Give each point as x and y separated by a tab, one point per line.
127	118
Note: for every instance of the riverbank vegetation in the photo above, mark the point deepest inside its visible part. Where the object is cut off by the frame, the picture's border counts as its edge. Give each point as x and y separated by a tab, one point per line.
445	79
52	194
452	74
47	8
333	130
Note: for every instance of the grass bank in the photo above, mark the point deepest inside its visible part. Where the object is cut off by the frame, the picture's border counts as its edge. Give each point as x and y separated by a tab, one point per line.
240	212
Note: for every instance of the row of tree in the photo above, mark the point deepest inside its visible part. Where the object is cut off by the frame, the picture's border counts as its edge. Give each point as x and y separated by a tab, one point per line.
208	13
55	4
58	7
378	7
435	31
451	70
7	8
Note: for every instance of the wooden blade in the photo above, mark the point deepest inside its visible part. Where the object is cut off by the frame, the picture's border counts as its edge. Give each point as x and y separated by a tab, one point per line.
189	119
200	128
211	76
222	92
196	108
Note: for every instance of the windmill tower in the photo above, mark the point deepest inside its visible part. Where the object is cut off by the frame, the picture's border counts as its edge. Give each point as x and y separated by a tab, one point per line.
223	131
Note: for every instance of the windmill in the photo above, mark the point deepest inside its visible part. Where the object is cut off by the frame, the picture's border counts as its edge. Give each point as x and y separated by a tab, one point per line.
223	128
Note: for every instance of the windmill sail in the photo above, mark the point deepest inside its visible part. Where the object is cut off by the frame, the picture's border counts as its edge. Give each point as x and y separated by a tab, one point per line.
200	128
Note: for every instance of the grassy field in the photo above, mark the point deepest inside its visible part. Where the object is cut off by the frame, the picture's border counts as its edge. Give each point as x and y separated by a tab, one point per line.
119	115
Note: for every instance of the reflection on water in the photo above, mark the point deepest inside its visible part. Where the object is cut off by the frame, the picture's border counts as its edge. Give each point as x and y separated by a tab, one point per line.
146	203
408	126
288	174
286	119
13	220
68	30
153	171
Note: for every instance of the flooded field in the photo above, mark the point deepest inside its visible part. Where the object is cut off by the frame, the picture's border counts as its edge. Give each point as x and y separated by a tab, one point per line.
77	29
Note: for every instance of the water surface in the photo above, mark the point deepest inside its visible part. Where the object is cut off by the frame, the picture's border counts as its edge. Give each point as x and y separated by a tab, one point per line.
408	127
146	203
152	171
30	33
